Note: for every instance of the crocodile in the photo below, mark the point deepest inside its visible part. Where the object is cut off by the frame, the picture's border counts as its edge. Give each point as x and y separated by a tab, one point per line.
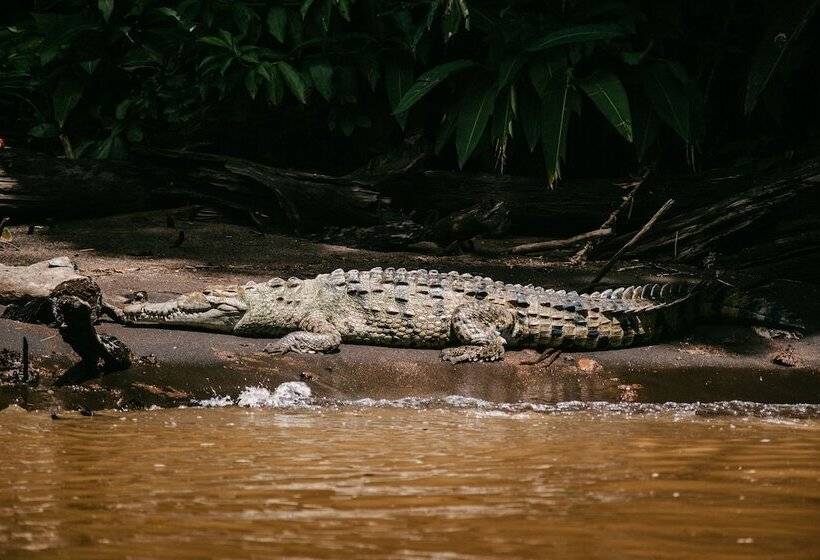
471	318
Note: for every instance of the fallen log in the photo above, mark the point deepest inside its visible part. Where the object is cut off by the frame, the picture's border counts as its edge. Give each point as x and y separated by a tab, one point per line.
691	235
36	187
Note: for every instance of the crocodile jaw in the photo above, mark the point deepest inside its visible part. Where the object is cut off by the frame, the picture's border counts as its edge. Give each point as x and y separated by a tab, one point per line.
213	310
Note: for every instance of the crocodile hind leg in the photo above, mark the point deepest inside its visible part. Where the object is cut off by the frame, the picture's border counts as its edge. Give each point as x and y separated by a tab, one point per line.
316	335
480	327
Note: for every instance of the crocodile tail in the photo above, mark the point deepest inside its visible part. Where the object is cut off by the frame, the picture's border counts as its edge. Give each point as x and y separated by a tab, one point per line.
741	306
642	314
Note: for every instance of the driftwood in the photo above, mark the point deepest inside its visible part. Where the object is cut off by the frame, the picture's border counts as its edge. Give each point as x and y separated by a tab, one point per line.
26	291
559	243
629	244
775	200
53	292
612	219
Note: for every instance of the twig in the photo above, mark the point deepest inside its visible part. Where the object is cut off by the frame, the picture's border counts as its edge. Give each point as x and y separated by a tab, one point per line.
627	202
559	243
630	243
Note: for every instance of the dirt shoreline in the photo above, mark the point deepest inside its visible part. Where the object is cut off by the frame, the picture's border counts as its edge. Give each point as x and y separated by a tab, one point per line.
135	252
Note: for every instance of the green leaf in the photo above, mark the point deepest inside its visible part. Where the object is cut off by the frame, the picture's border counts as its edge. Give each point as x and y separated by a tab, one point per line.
294	81
277	23
106	8
543	71
65	98
306	4
89	65
252	82
472	121
243	17
217	42
397	80
775	45
274	89
529	115
325	15
446	130
344	9
122	109
508	70
503	114
557	110
170	12
135	134
608	94
44	130
322	75
669	97
428	81
576	34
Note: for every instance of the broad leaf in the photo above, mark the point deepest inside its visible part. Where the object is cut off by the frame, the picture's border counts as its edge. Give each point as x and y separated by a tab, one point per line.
44	130
503	115
65	98
306	4
576	34
472	120
274	89
294	81
428	81
397	80
529	115
508	70
252	82
322	75
608	94
775	45
90	65
344	9
557	110
446	130
277	23
501	128
670	98
106	8
543	71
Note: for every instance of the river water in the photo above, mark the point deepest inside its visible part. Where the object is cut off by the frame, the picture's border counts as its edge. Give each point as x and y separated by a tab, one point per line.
447	479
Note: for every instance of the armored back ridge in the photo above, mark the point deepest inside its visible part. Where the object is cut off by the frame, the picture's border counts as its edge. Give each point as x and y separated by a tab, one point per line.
428	309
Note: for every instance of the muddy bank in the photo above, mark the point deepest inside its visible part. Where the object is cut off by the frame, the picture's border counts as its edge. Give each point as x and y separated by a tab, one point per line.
137	252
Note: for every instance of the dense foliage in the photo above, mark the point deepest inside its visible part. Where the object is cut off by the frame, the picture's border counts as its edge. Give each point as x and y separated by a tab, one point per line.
487	82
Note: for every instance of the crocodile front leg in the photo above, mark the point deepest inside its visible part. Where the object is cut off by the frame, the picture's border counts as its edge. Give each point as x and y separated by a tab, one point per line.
316	335
479	325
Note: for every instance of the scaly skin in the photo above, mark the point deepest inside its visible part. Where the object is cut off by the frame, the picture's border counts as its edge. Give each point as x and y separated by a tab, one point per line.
428	309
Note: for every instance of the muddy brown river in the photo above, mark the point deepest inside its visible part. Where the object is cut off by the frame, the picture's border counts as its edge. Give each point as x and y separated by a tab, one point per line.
448	480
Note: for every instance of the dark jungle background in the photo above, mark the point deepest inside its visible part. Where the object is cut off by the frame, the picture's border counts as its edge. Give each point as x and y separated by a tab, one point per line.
553	89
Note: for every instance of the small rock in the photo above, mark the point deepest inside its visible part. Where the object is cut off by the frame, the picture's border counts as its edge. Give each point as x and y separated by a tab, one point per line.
149	360
589	365
306	376
786	357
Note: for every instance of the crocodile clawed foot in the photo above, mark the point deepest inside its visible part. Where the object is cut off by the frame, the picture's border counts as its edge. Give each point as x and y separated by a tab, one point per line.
277	348
550	355
484	353
302	342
